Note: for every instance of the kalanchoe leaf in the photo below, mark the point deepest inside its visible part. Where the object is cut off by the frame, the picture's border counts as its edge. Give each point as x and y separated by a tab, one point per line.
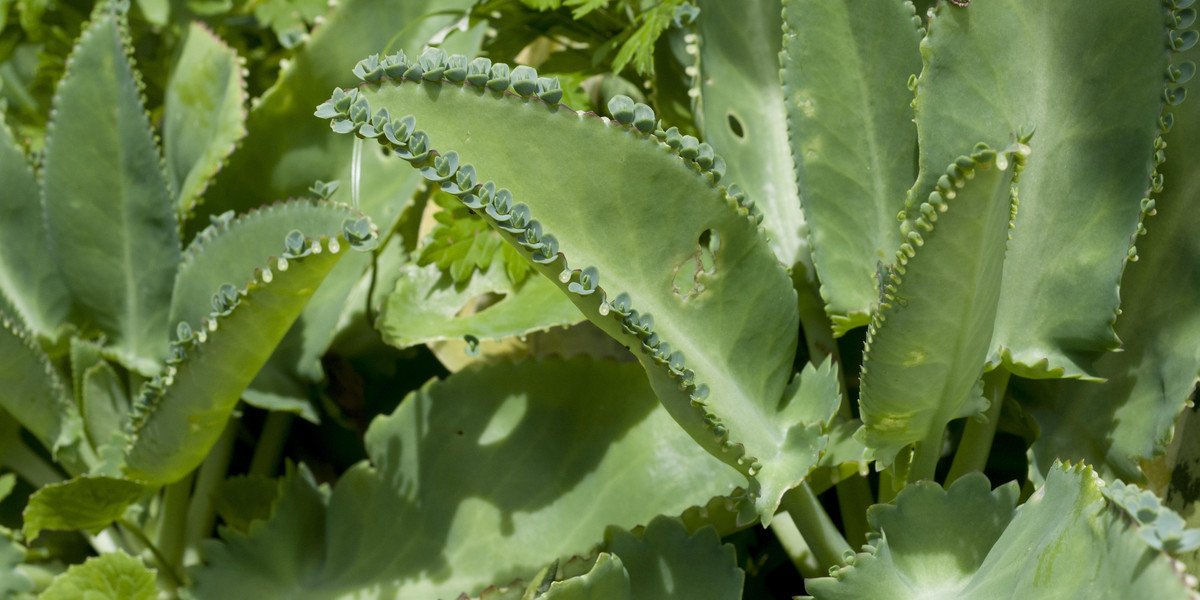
433	64
689	147
621	305
463	182
498	77
326	110
1159	526
518	218
183	332
225	299
531	237
456	68
704	157
359	233
369	69
224	218
320	189
549	90
718	168
343	99
523	81
414	72
360	111
643	118
296	245
417	149
673	138
398	131
478	71
444	167
343	126
397	65
549	250
622	109
501	205
589	280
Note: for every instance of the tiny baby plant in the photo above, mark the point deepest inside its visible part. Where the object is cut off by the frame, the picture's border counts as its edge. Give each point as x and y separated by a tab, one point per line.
886	301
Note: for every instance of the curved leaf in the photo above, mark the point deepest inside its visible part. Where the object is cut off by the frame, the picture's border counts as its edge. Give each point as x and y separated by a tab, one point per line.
1131	418
1088	74
481	478
928	342
968	542
425	307
87	503
179	416
740	108
204	113
108	207
607	580
29	278
285	150
850	126
665	562
719	353
115	576
31	390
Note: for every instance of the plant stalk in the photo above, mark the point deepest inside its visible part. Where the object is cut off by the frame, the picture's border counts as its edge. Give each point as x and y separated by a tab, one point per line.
172	522
854	498
271	440
822	536
793	543
30	466
976	444
926	455
211	473
168	568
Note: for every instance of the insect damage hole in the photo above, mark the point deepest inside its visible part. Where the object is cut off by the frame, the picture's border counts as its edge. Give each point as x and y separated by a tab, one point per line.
688	281
735	126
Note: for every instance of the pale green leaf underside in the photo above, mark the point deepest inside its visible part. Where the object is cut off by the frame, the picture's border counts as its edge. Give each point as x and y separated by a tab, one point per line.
204	116
480	479
105	405
737	335
115	576
111	222
173	433
738	81
86	503
665	563
31	391
968	542
229	252
1131	418
425	305
285	149
29	279
1088	74
607	580
927	345
845	74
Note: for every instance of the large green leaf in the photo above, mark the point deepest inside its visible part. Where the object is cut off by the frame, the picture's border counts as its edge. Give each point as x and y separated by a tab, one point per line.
115	576
1131	418
285	150
928	342
29	279
850	126
12	580
180	415
629	218
1066	542
740	108
87	503
204	113
479	479
1088	74
107	203
426	306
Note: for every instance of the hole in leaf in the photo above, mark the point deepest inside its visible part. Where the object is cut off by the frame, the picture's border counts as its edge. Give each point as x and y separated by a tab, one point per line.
689	275
735	126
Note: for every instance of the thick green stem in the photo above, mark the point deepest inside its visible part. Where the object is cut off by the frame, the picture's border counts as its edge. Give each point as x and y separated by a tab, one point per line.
821	535
793	543
976	444
30	466
211	473
854	497
270	444
166	566
887	488
926	455
172	530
